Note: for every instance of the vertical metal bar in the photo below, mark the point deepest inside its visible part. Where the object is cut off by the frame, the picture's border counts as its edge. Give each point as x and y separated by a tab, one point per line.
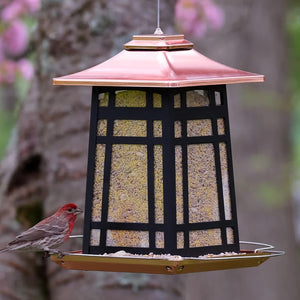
106	176
185	176
90	171
211	94
150	174
169	183
230	171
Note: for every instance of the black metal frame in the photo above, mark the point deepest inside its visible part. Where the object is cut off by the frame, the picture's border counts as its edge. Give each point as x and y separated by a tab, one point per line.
168	114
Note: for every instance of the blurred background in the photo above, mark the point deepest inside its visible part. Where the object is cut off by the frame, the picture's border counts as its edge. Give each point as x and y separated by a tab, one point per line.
44	135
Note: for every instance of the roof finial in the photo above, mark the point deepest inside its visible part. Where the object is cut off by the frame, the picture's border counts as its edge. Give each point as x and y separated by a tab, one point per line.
158	30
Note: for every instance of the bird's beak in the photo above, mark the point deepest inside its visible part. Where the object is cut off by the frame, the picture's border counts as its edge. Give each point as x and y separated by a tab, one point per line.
77	211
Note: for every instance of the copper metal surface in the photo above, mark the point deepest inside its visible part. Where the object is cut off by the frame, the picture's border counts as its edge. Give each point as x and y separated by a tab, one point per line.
158	42
162	66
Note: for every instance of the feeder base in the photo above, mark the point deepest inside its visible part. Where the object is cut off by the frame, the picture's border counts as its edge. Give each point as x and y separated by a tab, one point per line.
171	266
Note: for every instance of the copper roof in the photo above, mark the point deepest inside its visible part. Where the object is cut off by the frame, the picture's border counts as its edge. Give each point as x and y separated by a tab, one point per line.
158	61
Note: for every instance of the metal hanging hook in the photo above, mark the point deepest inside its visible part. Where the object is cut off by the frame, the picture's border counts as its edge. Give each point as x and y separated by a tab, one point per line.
158	29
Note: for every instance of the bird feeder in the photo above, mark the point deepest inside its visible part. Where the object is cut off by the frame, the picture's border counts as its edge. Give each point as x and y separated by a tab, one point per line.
160	188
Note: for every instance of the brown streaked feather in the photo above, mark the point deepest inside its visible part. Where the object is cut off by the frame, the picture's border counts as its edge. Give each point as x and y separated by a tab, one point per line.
56	226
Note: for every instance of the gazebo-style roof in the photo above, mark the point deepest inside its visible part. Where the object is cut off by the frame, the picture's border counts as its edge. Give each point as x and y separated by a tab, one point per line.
158	61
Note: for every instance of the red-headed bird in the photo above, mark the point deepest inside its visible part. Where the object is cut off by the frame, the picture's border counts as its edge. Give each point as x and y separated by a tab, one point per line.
50	232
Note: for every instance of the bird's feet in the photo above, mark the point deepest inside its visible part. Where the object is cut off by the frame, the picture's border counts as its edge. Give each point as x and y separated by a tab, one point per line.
60	254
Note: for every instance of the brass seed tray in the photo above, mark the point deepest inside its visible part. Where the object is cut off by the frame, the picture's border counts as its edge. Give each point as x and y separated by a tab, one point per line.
171	266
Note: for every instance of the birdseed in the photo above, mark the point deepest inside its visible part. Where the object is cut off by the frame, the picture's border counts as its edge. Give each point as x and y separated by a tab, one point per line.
128	192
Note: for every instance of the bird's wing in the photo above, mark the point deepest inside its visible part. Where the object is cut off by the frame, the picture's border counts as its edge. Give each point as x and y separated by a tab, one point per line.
54	226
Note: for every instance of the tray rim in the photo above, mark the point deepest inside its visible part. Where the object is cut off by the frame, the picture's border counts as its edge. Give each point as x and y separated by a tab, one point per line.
167	265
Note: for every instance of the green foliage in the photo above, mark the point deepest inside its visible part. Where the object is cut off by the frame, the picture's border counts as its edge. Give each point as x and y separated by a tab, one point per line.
8	118
7	122
293	26
273	194
254	97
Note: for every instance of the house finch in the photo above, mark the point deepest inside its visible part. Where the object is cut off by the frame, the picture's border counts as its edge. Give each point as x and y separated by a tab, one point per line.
48	233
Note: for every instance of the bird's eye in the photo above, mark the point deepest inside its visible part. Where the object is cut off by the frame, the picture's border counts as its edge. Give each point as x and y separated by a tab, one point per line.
70	210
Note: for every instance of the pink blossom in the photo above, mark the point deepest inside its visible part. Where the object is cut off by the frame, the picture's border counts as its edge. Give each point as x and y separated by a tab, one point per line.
214	14
25	68
18	7
12	11
199	29
195	16
15	39
7	71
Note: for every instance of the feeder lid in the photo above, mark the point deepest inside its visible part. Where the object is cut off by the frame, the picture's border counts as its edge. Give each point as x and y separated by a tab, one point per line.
158	61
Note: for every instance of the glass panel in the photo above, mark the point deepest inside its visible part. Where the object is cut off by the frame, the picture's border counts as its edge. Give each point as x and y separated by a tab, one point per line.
103	99
95	237
202	185
127	238
159	239
157	128
202	238
130	98
158	185
130	128
225	181
230	237
98	183
180	240
177	129
179	188
156	100
177	101
199	127
102	127
221	127
197	98
128	193
218	98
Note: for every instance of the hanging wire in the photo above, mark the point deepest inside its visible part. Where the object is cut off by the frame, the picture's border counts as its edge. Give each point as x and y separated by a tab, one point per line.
158	30
158	14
